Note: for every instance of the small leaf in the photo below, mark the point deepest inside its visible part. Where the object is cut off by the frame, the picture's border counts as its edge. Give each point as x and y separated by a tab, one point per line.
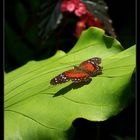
32	112
99	10
49	23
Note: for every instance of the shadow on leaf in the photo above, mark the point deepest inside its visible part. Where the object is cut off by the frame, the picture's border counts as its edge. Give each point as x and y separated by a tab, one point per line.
70	87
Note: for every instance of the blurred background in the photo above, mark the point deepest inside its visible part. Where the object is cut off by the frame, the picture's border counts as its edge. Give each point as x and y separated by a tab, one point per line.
23	21
25	24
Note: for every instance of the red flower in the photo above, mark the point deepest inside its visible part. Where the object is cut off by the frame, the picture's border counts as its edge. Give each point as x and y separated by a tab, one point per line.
79	9
80	26
90	20
73	6
67	6
85	22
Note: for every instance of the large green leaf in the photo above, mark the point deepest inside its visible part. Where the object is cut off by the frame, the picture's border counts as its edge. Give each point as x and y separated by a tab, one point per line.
32	112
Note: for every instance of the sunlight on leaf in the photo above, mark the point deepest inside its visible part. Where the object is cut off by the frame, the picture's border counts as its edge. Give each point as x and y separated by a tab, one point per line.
36	110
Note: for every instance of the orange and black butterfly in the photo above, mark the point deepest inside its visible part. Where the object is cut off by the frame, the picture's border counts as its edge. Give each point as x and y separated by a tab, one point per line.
81	73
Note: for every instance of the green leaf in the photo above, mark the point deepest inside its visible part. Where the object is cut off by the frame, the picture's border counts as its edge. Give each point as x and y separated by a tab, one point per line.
32	112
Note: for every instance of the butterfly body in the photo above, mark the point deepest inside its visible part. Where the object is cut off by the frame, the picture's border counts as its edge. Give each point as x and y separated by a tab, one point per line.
81	73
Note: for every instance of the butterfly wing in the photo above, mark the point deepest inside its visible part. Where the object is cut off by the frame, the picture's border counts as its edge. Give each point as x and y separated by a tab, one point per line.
75	75
91	66
61	78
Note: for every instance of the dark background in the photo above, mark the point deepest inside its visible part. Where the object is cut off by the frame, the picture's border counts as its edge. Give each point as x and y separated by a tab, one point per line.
22	45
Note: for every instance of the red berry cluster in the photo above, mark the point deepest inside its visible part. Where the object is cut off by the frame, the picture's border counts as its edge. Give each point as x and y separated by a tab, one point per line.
79	9
73	6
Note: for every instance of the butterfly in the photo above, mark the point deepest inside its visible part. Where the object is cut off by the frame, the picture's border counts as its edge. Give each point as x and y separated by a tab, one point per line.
81	73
